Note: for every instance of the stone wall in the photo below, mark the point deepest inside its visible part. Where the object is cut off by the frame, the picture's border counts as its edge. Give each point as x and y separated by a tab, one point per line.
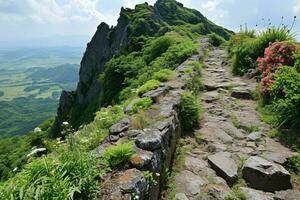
154	146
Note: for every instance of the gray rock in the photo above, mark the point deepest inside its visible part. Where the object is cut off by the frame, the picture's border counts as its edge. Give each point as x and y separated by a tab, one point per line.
180	196
254	136
157	93
210	96
119	127
287	195
241	93
141	158
224	165
189	183
264	175
150	140
252	194
113	138
133	181
132	134
218	192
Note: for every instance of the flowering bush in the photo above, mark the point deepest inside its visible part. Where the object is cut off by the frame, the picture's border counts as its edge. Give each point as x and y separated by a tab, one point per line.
277	54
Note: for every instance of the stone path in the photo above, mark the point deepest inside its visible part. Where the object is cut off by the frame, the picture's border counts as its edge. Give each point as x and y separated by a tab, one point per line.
230	153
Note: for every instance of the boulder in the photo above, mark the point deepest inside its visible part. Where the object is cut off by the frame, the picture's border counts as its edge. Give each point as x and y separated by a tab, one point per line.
150	140
133	181
241	93
264	175
119	127
224	166
157	93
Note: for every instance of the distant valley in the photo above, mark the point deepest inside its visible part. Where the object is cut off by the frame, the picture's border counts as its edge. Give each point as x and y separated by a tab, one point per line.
30	84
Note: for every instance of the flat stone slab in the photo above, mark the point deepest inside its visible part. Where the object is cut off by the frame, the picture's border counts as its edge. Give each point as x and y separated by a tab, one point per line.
264	175
287	195
119	127
224	165
157	93
189	183
254	136
180	196
210	96
252	194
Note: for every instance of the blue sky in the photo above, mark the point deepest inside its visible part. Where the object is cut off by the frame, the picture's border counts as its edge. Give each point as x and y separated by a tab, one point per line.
69	20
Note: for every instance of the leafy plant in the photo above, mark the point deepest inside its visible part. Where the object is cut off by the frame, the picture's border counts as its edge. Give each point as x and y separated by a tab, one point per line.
189	112
215	39
285	95
163	75
149	85
141	104
118	155
149	177
293	164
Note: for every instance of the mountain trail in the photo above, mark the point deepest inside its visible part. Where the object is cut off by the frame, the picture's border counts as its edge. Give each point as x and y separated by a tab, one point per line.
230	156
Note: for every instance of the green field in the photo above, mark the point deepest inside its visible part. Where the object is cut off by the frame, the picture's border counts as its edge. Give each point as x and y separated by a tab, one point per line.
30	86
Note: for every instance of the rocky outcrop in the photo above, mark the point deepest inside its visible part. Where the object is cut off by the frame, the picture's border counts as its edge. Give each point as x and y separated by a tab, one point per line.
265	175
109	41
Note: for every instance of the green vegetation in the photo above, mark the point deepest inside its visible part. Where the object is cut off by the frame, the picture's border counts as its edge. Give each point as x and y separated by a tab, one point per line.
67	174
293	164
215	39
118	155
189	112
16	119
149	85
246	47
141	121
163	75
141	104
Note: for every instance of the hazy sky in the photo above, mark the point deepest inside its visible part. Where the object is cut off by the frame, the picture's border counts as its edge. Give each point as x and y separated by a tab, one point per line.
33	19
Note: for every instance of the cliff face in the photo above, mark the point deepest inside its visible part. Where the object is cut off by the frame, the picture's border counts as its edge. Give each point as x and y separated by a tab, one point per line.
144	20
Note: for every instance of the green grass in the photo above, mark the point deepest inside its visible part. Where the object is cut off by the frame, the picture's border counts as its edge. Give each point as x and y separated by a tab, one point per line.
149	85
118	155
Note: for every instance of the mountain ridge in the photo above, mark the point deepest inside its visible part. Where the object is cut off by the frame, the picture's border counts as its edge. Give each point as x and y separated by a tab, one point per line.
107	42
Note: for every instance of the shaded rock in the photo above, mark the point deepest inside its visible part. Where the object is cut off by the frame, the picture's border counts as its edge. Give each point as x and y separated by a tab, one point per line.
133	181
241	93
132	134
252	194
113	138
264	175
180	196
150	140
254	136
119	127
287	195
189	183
157	93
224	165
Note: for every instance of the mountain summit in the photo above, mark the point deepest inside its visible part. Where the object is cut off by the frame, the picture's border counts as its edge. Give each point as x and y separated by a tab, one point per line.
133	28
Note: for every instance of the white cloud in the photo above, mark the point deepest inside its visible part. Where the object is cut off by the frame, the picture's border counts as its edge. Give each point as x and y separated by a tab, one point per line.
296	8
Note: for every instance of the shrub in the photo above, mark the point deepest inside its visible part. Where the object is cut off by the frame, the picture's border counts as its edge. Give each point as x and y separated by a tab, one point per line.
285	95
115	156
189	112
297	61
69	175
149	85
245	52
141	104
293	164
163	75
215	39
141	121
277	54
